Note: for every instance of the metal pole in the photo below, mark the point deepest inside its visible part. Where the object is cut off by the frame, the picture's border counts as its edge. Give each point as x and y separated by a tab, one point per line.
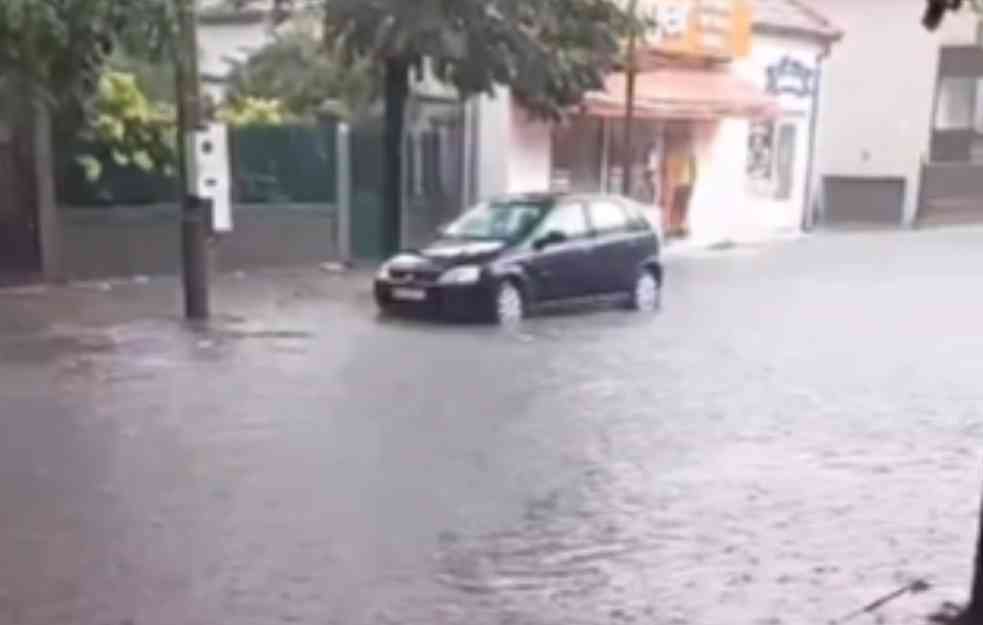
194	228
605	154
631	71
343	222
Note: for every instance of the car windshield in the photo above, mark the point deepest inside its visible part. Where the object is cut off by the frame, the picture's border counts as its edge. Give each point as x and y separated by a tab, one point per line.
498	221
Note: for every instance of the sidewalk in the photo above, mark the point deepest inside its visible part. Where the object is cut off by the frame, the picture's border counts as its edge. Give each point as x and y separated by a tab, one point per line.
260	296
682	248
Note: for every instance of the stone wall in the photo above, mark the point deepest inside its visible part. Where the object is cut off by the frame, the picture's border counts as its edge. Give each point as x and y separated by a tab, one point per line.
131	241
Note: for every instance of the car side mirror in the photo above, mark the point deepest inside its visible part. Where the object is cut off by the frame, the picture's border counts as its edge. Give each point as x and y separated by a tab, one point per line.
552	237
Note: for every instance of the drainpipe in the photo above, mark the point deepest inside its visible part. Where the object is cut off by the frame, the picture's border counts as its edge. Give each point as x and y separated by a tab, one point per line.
808	215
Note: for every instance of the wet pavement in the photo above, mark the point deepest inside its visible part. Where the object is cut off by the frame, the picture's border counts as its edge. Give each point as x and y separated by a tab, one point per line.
795	435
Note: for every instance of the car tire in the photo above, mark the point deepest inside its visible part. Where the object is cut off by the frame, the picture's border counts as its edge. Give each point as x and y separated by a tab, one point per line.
509	304
646	293
383	306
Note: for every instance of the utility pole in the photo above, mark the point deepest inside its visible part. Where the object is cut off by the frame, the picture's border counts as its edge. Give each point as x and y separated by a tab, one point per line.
191	118
631	74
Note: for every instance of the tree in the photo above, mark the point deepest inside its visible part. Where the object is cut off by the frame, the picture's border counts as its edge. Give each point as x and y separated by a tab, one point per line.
51	55
549	52
306	79
936	10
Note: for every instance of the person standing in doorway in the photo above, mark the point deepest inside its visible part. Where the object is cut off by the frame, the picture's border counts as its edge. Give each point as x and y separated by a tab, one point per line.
681	172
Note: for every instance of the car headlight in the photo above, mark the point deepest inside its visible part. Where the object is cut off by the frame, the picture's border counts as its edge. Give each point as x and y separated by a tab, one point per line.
467	274
383	273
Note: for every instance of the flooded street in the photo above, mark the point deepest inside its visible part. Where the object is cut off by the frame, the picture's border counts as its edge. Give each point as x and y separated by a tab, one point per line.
795	435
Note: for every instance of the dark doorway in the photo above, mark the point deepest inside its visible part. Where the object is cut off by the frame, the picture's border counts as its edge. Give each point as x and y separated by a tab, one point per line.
858	202
19	254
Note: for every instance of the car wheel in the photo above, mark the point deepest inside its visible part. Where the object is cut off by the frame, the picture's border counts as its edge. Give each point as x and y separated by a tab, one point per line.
509	305
646	296
383	306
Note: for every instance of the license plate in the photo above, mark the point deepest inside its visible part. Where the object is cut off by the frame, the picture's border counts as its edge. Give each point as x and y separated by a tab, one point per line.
409	295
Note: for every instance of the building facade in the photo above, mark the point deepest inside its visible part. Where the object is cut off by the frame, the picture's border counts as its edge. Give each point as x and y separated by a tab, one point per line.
901	118
790	44
723	142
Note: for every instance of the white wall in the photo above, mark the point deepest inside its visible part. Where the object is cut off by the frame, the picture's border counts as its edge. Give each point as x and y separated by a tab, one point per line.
494	119
879	89
531	154
719	198
514	153
766	214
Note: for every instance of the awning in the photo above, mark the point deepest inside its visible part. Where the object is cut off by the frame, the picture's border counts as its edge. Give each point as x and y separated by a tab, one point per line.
683	93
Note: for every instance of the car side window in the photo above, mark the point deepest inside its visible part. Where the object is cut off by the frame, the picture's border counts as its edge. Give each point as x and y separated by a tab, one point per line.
567	219
636	217
608	217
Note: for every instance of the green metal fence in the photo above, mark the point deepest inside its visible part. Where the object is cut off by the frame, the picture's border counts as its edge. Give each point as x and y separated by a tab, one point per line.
276	165
368	220
284	164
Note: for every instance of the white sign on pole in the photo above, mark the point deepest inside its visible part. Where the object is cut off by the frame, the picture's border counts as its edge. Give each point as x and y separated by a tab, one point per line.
208	165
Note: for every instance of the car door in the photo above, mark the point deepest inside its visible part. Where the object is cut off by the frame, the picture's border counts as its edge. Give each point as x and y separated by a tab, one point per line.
561	268
618	248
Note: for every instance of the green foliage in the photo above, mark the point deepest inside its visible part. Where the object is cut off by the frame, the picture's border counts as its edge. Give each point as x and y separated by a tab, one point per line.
550	52
126	127
297	71
249	111
154	77
59	47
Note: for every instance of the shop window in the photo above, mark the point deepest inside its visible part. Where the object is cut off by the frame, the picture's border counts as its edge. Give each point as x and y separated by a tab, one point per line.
646	159
785	162
771	163
761	149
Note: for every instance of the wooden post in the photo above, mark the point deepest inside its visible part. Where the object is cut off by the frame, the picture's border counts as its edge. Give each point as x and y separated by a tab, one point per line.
49	220
396	94
631	73
194	225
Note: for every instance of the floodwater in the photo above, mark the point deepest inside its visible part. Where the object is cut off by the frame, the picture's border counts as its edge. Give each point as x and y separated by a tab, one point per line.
795	435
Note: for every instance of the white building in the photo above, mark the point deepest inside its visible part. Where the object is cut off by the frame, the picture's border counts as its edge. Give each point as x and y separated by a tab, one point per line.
228	35
790	44
901	139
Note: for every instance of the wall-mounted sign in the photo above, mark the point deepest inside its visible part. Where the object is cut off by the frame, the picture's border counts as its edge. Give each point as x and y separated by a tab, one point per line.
700	28
791	76
671	22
